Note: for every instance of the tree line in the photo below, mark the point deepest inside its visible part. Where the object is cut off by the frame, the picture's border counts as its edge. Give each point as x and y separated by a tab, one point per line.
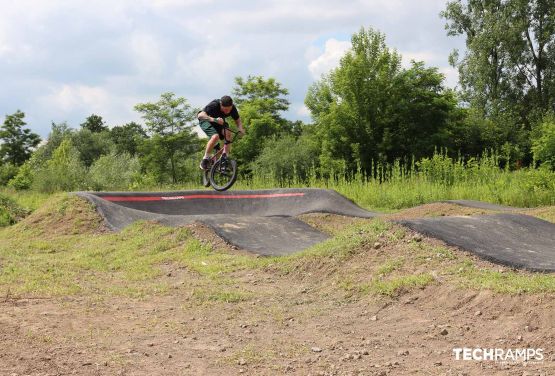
368	110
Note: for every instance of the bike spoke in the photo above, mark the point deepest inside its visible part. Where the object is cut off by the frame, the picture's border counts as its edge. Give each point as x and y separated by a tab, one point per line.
223	174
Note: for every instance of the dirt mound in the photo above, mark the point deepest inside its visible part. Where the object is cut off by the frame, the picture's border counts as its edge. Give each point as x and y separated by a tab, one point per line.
64	214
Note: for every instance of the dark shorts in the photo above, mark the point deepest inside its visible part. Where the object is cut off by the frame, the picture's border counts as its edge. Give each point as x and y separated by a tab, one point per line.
212	128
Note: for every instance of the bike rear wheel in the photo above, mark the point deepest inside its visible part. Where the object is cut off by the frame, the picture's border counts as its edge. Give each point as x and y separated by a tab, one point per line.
223	174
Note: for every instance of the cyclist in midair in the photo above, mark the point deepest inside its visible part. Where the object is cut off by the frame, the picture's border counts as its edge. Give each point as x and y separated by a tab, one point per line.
212	122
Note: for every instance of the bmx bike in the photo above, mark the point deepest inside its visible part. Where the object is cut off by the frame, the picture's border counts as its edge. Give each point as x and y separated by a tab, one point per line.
221	173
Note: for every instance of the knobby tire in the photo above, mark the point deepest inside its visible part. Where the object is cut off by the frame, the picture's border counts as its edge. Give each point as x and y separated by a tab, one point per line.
222	178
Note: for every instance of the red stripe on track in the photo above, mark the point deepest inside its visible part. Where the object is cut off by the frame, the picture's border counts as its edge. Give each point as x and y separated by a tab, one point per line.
200	196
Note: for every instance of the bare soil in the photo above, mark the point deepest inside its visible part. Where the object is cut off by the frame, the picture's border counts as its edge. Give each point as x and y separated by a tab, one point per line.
297	323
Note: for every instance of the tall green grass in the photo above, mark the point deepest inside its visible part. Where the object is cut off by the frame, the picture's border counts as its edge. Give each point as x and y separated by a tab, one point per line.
29	200
398	185
392	186
15	206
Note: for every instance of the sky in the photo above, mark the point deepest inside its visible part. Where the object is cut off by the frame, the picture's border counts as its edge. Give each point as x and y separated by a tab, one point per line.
63	60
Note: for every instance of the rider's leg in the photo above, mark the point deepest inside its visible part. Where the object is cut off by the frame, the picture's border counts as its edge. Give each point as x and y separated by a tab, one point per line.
213	134
210	145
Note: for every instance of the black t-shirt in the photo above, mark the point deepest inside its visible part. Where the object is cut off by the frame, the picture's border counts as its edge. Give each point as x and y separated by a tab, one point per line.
213	110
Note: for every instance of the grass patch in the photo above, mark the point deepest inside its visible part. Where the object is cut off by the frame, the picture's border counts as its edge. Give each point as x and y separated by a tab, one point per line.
412	264
250	355
67	261
397	186
28	200
347	242
10	211
397	285
508	282
391	287
545	213
58	251
61	214
390	266
226	296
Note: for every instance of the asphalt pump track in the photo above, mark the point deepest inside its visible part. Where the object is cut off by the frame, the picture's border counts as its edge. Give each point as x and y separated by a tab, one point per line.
263	222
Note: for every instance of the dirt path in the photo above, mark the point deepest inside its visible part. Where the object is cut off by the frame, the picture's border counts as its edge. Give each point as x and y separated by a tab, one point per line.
287	329
285	332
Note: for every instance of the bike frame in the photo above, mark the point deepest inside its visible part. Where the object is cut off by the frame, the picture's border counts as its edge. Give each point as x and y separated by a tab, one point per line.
217	154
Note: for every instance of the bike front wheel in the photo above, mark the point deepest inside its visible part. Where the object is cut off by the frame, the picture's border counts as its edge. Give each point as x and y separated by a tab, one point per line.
223	174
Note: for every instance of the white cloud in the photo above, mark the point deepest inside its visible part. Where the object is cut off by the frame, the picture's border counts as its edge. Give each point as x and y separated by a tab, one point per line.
66	101
451	76
4	46
147	54
209	66
177	3
433	59
105	56
328	60
70	97
302	110
11	48
428	57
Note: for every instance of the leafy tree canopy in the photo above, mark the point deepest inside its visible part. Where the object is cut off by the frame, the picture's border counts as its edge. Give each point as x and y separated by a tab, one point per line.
17	143
369	108
95	124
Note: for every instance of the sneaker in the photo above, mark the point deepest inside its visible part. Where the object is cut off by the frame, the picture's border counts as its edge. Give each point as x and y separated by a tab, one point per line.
204	164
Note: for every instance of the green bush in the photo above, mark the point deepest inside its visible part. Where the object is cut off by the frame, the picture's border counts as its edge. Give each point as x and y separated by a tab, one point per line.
64	172
24	178
7	172
286	159
541	179
114	171
10	211
543	143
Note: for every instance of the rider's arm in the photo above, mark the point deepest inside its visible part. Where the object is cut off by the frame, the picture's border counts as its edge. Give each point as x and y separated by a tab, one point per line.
240	125
204	116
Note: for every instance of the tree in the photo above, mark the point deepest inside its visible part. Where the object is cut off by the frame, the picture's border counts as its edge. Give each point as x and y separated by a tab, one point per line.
17	143
287	167
483	77
128	137
508	70
370	109
420	116
265	95
91	145
58	133
169	123
543	142
534	22
63	172
95	124
261	102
